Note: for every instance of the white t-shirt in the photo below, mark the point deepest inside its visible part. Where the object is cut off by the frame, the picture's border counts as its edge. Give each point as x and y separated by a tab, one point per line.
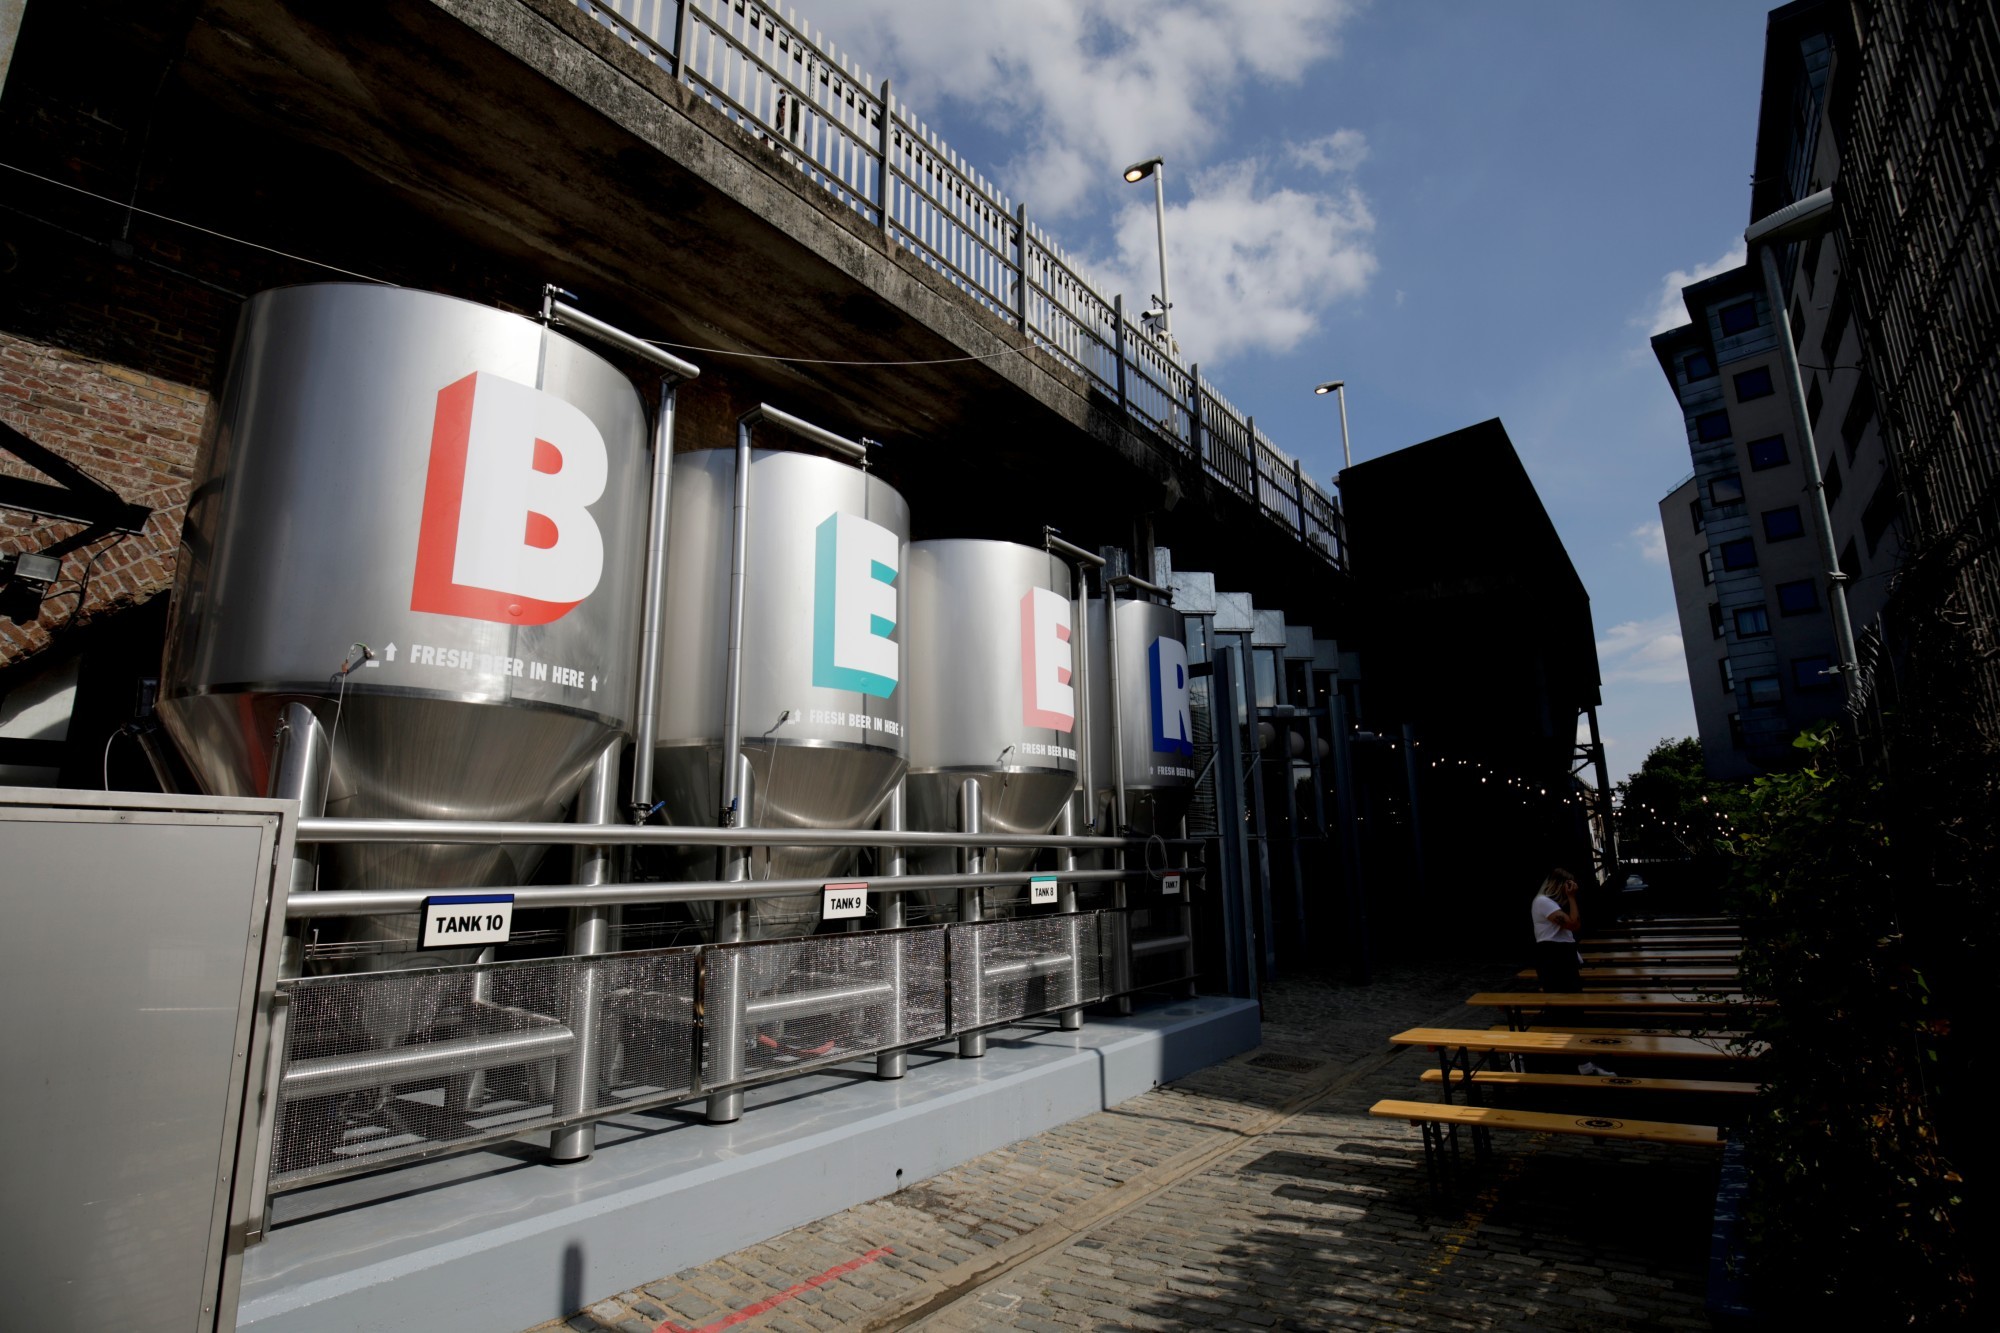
1546	929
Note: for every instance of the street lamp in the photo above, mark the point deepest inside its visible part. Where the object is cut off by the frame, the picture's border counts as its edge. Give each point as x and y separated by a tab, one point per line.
1135	173
1795	222
1339	389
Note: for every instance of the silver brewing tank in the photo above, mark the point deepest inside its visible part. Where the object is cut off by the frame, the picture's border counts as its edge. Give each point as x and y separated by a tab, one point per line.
458	488
1153	704
991	694
823	656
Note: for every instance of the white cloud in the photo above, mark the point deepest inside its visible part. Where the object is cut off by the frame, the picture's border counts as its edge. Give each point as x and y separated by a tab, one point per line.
1086	86
1651	539
1643	652
1669	311
1330	154
1251	267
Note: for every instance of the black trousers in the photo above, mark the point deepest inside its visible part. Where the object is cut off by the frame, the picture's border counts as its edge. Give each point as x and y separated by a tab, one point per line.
1556	964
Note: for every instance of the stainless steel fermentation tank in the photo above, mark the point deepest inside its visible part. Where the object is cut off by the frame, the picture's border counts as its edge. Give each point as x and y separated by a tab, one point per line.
1153	720
461	490
992	693
823	658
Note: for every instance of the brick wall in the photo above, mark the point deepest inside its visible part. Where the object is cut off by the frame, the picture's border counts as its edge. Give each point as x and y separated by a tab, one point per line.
134	432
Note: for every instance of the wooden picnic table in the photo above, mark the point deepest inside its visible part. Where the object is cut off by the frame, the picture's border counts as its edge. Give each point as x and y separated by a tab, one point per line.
1670	974
1456	1048
1614	1001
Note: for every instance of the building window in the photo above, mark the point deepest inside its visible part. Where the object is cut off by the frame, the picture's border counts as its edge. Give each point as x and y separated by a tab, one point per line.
1738	318
1694	512
1698	366
1850	562
1736	741
1754	384
1830	480
1767	452
1798	320
1809	260
1881	510
1752	622
1715	618
1859	413
1763	691
1815	400
1798	599
1739	554
1711	426
1726	489
1707	568
1728	676
1812	673
1781	525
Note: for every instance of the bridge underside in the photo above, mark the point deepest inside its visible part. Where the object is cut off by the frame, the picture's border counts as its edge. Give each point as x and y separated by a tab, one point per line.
481	147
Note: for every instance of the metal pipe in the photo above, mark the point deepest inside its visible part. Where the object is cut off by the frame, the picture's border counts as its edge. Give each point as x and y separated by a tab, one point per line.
1134	581
1071	1019
732	702
807	1004
804	429
1190	967
1346	454
328	1074
893	1064
1052	542
652	608
972	909
724	998
327	831
1046	965
1086	753
377	902
1788	354
1121	956
299	772
1161	944
562	313
580	1075
1160	225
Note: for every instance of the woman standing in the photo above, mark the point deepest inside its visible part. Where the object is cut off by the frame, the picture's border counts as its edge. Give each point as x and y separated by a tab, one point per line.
1556	920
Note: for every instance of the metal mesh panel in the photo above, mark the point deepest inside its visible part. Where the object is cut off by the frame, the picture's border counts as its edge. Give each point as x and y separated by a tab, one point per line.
383	1066
820	1001
1005	970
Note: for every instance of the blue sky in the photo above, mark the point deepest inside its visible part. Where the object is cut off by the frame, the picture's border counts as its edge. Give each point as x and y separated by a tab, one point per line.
1465	210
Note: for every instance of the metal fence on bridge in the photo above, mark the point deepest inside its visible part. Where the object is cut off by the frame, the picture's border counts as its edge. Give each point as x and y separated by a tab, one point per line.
855	139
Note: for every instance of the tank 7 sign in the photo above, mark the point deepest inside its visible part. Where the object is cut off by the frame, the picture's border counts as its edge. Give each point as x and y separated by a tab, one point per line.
1168	663
1047	697
855	564
506	533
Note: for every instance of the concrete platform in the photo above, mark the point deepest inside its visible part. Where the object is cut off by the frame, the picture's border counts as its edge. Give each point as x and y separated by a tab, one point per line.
498	1240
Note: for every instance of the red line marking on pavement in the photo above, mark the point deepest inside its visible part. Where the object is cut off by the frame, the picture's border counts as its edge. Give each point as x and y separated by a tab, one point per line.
792	1292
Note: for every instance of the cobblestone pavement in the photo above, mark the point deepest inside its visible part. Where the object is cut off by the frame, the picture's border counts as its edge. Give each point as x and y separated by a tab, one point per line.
1255	1194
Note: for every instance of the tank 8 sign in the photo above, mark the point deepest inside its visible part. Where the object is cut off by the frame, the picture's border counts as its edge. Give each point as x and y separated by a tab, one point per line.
506	533
855	564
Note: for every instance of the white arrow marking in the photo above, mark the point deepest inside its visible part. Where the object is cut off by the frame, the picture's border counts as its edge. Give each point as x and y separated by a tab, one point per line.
593	684
389	653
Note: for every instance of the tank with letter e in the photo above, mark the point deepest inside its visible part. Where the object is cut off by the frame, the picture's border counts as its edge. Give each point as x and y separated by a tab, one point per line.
823	661
457	488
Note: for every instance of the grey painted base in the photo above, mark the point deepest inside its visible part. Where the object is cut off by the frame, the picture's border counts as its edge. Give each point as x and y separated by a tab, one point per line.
499	1240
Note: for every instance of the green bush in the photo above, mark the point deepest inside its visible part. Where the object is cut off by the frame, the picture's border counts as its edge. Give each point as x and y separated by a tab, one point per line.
1857	1213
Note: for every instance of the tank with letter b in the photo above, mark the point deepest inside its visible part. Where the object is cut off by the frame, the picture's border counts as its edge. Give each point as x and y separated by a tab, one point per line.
1153	705
460	489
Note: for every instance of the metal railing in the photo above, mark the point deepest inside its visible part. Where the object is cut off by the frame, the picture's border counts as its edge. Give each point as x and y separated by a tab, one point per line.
796	94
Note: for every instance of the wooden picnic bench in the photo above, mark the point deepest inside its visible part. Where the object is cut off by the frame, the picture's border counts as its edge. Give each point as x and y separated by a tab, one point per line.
1612	974
1665	957
1439	1123
1683	1030
1517	1078
1605	1001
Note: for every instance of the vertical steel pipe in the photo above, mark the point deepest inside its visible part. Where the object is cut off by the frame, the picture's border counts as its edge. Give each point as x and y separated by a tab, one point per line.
735	804
1121	955
893	1064
1189	966
300	771
724	997
580	1075
1071	1019
646	723
972	909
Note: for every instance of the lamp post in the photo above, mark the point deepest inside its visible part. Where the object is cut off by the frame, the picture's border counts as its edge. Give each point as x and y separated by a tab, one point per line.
1135	173
1795	222
1338	388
